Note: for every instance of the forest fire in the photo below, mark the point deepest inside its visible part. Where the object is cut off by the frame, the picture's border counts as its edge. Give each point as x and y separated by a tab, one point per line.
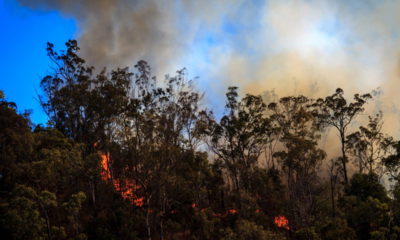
126	187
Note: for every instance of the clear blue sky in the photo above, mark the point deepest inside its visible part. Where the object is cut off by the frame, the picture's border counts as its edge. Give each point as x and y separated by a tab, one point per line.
23	58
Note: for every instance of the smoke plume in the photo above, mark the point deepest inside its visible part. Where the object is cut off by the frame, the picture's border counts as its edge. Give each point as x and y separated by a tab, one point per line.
305	47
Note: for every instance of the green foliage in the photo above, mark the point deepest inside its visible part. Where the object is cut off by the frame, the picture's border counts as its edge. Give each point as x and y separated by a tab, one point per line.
367	185
308	233
392	162
366	207
337	228
23	219
247	230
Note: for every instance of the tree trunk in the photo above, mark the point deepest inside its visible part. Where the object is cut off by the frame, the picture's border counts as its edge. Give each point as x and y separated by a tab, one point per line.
344	157
333	197
92	186
147	220
47	224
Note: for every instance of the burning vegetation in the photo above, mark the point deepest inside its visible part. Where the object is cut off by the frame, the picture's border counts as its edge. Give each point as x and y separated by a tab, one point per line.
127	188
282	222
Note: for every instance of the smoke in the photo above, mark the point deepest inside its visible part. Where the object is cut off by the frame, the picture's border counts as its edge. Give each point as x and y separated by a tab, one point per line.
308	47
121	32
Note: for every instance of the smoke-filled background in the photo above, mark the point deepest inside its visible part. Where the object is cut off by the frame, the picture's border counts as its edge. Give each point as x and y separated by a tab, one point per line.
308	47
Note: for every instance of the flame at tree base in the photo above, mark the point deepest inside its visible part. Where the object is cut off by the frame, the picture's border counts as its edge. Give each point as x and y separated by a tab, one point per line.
126	187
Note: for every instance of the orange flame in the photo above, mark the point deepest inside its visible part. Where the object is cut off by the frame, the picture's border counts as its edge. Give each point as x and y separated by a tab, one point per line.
282	222
127	188
105	173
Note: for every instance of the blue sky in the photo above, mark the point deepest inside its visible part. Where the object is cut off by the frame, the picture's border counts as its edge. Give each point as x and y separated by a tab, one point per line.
23	59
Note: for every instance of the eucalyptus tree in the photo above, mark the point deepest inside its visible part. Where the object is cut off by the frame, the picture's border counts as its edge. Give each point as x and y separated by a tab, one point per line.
299	156
158	136
392	162
369	145
335	111
239	138
79	103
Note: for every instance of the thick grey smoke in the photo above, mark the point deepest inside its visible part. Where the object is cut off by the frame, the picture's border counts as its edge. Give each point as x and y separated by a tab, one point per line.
121	32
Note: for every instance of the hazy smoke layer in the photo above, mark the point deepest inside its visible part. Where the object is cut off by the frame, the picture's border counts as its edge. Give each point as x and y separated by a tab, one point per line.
295	47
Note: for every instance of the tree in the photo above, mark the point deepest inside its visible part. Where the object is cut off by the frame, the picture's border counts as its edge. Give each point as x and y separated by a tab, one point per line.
392	162
366	206
81	105
15	143
238	139
22	219
300	156
370	146
335	111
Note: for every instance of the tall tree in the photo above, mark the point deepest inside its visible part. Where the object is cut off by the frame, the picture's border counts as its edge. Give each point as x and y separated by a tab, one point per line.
370	146
300	156
238	139
81	105
335	111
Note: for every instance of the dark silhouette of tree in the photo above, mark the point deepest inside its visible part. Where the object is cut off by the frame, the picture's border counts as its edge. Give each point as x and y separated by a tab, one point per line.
366	207
238	140
335	111
300	156
370	146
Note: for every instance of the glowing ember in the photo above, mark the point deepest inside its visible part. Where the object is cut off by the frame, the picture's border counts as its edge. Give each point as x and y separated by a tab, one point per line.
231	211
139	201
282	222
227	212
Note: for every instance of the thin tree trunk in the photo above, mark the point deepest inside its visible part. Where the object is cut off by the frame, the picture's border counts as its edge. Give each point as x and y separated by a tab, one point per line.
344	157
92	186
333	198
147	220
47	224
